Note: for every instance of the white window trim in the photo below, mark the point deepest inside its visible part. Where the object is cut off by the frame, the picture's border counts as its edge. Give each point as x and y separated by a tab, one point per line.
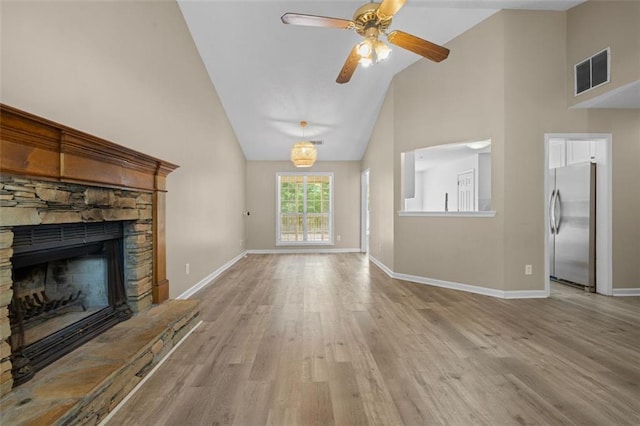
304	243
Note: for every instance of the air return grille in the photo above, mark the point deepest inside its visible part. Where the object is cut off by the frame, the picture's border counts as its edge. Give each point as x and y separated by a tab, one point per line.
42	237
592	72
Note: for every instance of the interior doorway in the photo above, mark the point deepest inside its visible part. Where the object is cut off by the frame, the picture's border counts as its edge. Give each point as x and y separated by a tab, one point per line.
563	149
466	191
364	209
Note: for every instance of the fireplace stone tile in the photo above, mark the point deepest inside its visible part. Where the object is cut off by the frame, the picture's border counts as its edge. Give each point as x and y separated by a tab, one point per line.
15	216
59	216
52	195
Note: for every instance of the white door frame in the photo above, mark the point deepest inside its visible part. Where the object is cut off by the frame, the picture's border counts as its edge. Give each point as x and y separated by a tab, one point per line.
364	211
604	190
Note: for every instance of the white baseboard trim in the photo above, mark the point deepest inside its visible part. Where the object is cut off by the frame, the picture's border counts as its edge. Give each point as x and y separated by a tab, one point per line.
305	251
626	291
212	276
451	285
382	266
524	294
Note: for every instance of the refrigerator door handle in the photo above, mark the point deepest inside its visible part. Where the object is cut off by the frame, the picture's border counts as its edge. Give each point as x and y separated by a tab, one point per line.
558	203
552	210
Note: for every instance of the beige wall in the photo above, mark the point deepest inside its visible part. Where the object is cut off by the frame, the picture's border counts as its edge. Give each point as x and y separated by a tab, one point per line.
596	25
261	202
460	99
624	125
130	73
592	26
495	85
534	104
533	107
377	160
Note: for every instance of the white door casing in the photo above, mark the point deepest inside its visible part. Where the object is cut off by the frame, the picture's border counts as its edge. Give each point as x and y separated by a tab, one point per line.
364	210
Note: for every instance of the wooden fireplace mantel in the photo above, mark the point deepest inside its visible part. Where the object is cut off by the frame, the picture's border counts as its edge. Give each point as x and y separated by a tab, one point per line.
39	148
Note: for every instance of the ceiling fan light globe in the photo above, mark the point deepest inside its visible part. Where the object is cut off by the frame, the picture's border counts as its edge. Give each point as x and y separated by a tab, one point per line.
382	51
364	49
365	62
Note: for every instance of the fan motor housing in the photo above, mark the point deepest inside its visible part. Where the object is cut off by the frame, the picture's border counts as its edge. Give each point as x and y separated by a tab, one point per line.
366	17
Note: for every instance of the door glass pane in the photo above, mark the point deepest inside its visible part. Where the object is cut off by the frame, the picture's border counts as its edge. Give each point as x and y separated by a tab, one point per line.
305	208
318	227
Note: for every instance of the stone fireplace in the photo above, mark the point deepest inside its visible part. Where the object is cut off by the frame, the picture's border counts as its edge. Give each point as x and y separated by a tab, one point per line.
88	209
66	254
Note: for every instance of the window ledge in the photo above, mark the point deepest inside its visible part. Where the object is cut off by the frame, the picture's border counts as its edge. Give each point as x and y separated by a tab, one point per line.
489	213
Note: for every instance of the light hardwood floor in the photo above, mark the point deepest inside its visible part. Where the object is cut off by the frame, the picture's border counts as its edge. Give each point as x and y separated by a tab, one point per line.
330	339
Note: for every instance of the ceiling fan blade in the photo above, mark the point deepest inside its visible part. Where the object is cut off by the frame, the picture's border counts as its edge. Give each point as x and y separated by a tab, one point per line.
316	21
349	66
417	45
388	8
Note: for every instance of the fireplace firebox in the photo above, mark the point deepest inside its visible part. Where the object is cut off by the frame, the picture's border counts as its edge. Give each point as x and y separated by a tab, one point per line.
68	287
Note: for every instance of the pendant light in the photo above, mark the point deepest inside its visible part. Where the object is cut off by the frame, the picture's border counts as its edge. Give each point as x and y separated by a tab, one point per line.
303	154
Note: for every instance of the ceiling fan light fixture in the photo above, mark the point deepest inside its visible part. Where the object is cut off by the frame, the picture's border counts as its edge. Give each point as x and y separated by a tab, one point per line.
371	21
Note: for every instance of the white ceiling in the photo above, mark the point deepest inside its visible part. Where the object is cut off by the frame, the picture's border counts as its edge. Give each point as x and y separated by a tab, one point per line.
270	76
426	158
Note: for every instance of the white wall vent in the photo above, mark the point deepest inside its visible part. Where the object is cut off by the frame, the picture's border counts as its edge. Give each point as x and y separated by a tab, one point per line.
592	72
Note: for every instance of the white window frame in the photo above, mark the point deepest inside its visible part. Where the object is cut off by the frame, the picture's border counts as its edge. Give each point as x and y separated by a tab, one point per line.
278	220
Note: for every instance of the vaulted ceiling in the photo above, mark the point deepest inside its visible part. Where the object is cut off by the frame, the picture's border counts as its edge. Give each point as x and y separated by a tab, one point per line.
271	76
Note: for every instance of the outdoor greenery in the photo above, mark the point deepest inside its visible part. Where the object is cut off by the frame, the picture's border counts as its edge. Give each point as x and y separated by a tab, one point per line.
292	194
293	214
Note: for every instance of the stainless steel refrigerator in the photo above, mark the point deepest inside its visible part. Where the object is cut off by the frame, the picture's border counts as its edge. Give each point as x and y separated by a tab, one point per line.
572	219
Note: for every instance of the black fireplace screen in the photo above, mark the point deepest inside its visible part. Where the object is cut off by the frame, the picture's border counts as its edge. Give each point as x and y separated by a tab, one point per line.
68	287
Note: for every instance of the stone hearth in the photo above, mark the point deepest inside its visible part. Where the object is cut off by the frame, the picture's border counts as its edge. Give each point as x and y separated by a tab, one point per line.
83	386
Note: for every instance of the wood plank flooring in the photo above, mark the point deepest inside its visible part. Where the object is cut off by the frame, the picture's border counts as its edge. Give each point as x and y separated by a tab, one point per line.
330	339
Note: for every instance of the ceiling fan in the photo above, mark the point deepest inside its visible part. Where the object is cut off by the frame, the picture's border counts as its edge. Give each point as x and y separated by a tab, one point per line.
370	21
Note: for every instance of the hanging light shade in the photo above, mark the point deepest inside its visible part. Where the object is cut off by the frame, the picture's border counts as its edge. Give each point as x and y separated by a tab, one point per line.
303	154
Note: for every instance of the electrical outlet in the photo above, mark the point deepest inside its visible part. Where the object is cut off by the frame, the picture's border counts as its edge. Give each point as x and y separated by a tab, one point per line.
528	269
338	237
186	268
